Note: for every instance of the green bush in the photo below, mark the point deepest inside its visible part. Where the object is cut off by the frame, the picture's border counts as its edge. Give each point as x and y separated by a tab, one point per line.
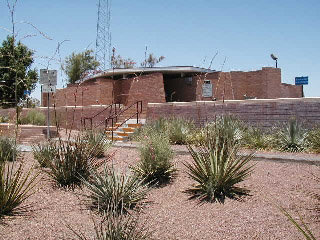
110	188
216	168
4	119
179	129
313	140
69	161
255	138
34	117
116	226
99	141
15	187
9	151
155	159
291	137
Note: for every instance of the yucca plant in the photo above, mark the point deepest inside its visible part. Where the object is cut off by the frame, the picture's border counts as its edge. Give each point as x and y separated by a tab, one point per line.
217	168
291	137
71	160
155	163
111	188
15	187
115	226
99	141
44	152
9	151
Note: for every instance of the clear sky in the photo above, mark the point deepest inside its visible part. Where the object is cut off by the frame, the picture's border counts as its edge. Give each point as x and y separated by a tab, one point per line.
186	32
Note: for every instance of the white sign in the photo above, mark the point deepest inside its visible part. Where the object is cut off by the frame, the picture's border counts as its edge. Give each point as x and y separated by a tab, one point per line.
207	89
48	89
48	77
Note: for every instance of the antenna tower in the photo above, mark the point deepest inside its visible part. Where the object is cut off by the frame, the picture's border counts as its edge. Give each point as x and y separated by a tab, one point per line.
103	40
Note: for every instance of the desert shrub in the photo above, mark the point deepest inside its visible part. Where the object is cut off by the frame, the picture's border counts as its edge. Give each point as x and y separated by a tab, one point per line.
71	160
9	151
290	137
155	163
15	187
34	117
197	137
43	152
255	138
179	129
111	188
115	226
217	167
4	119
99	141
313	140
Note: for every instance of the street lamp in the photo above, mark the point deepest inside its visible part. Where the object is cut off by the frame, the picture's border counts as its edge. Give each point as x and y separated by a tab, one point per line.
275	59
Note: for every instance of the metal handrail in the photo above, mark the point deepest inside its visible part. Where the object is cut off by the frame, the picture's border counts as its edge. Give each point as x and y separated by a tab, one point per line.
137	104
83	119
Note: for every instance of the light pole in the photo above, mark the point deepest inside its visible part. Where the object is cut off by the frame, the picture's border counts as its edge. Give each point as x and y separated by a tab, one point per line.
275	59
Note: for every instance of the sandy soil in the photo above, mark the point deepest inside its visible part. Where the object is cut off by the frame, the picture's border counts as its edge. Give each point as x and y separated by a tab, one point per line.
171	215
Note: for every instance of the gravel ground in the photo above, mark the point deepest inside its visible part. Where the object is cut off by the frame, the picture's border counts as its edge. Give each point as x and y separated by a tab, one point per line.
171	215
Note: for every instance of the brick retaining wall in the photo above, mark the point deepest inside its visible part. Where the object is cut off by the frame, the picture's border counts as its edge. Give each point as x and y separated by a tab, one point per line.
263	112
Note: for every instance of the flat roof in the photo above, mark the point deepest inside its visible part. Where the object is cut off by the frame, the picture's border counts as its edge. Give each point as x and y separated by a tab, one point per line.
139	70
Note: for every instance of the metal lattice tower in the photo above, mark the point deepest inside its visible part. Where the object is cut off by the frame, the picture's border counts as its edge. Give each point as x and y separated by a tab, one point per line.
103	40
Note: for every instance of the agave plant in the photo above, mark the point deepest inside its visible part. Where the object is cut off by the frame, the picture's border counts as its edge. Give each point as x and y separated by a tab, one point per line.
292	137
217	168
115	226
110	188
44	152
15	187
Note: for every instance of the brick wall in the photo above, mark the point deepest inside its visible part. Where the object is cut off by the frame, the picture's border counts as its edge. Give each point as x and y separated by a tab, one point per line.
264	112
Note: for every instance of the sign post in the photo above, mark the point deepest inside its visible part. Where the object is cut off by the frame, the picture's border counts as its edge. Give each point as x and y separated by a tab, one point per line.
48	79
302	81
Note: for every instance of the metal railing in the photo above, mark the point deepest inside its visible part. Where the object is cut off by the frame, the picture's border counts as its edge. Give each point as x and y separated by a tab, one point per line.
114	118
113	109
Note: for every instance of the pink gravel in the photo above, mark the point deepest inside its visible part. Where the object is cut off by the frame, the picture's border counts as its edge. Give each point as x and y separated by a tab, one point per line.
171	215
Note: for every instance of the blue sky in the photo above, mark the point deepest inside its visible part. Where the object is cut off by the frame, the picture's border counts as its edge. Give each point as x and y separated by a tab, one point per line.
185	32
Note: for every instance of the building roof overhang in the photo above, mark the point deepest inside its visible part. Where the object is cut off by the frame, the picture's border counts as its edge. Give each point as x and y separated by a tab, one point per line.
141	70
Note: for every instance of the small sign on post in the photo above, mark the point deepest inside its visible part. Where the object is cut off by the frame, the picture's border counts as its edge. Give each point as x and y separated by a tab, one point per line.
48	79
301	80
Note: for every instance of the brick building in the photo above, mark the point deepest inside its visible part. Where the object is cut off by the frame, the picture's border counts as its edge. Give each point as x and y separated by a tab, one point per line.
173	84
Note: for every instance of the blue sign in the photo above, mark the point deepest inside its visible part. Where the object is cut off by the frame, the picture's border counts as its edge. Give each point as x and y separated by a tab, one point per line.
26	92
301	80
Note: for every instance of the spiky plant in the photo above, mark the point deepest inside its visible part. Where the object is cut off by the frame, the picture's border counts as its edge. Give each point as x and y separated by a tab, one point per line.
291	137
44	152
71	160
110	188
99	141
155	163
9	151
115	226
217	168
15	187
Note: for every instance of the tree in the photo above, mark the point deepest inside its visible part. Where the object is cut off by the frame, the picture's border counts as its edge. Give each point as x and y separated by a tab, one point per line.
15	68
119	62
78	65
151	61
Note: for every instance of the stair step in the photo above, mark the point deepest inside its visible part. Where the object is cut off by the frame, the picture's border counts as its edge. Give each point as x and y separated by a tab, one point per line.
118	133
134	125
128	129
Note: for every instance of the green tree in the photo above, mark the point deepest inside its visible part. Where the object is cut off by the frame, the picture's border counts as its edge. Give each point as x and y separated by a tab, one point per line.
15	68
78	65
